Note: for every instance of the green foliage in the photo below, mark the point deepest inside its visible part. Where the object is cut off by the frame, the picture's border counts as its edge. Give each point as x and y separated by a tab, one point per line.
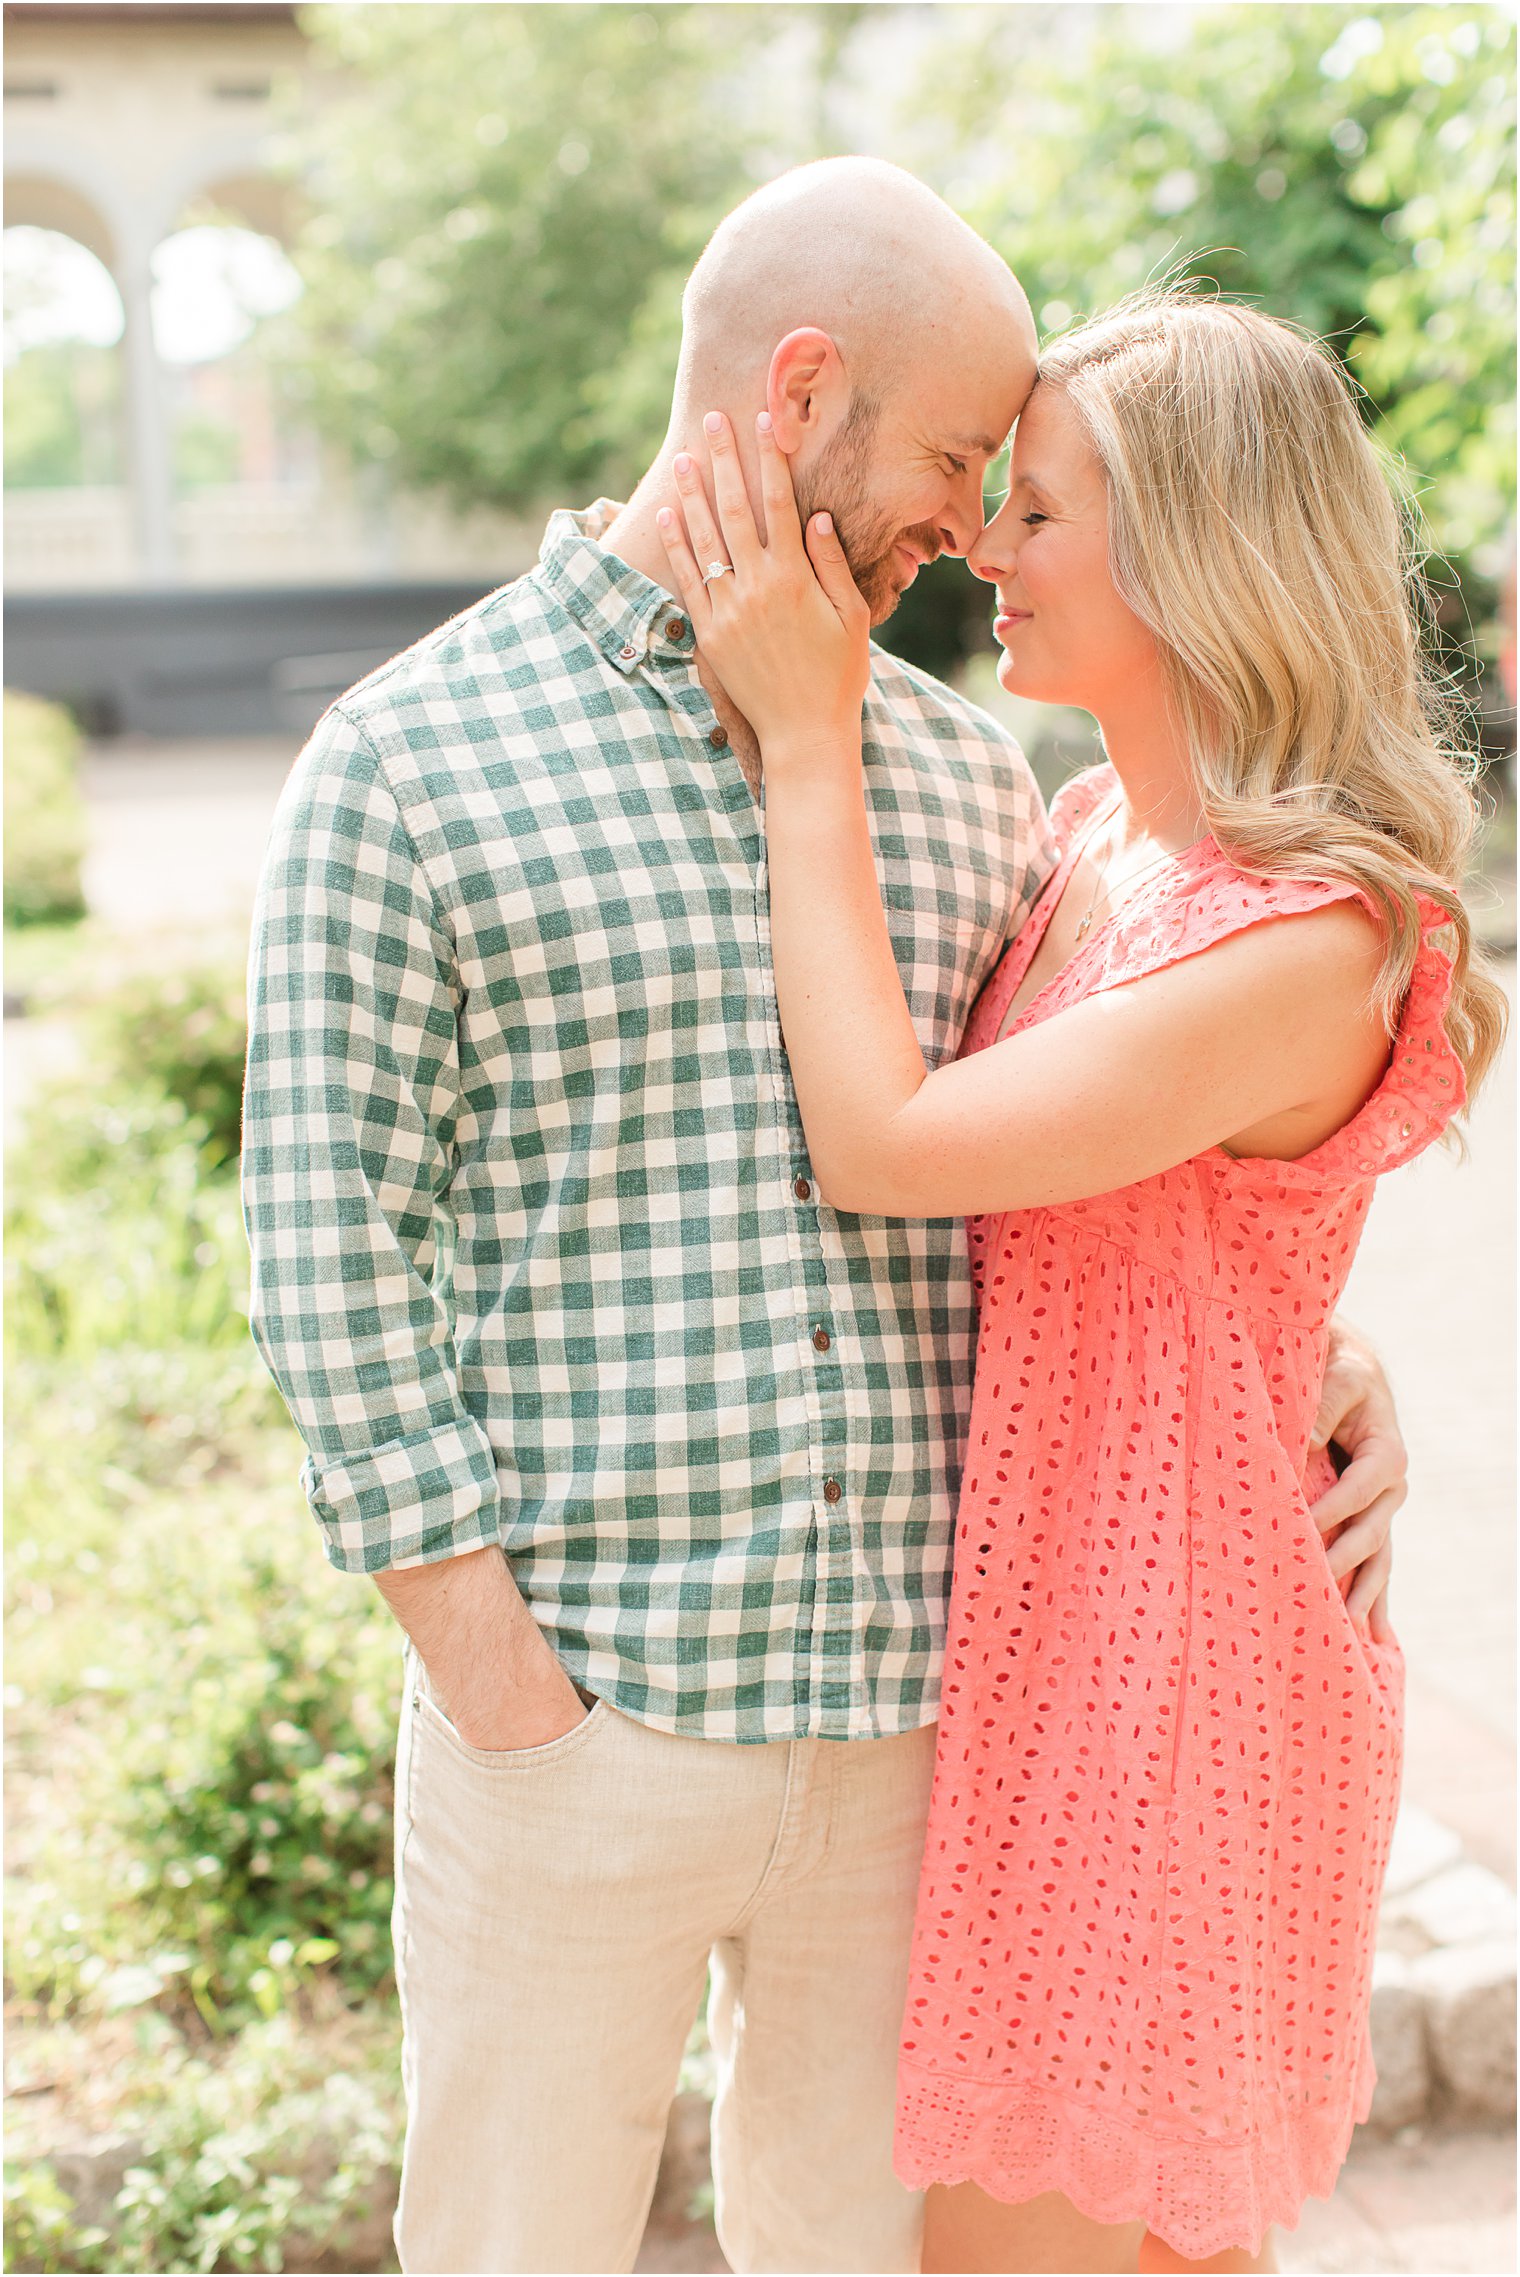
202	1712
116	1239
1353	171
232	1700
44	813
207	452
503	196
223	2182
63	417
40	2231
1438	354
247	2160
183	1036
241	1809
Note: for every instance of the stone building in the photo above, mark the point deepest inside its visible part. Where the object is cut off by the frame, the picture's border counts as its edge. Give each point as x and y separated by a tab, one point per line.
233	606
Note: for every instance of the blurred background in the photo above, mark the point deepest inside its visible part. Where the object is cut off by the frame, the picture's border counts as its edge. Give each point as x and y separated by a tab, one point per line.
311	316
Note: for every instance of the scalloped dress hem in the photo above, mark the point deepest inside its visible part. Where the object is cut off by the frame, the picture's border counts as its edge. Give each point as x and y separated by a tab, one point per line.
1125	2179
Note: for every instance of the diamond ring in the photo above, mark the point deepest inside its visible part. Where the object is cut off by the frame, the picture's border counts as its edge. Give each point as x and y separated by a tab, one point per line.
715	569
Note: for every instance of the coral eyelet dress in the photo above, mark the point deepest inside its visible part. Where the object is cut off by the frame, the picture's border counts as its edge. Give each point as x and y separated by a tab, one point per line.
1168	1762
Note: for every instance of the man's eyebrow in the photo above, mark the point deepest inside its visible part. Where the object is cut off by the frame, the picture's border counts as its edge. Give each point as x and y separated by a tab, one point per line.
971	443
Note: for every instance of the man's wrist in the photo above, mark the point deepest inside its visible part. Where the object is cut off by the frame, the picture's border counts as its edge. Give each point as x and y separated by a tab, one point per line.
489	1666
520	1673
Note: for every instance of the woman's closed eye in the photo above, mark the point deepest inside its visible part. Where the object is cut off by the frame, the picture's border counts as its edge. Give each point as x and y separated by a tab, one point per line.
1032	517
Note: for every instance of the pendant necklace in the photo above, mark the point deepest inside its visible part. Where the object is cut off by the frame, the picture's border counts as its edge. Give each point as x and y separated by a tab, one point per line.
1085	920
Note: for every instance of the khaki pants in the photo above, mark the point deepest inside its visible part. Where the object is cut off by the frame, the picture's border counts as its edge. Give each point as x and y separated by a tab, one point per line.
555	1914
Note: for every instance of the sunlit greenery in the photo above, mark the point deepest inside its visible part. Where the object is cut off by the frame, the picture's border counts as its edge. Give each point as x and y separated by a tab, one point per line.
506	201
1353	171
63	417
44	813
500	202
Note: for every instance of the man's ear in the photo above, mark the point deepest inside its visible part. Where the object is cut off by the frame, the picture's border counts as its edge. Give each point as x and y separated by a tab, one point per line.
807	391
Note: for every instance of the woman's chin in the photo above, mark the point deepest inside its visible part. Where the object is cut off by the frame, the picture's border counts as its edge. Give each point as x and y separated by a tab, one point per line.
1033	686
1017	682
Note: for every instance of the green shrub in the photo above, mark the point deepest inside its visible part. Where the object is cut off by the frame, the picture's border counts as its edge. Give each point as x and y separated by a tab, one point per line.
226	1837
180	1036
44	813
116	1237
229	1700
257	2158
244	2154
40	2230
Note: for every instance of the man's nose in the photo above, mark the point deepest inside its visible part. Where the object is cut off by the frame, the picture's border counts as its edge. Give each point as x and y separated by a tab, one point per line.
963	518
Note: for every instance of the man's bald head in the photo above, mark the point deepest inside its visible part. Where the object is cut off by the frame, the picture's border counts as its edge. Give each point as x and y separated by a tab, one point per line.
857	249
890	346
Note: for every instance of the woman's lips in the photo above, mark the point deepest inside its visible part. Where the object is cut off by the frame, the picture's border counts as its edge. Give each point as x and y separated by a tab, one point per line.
1006	619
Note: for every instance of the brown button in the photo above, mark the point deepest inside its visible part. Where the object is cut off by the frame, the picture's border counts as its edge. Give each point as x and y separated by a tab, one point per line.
820	1340
628	653
676	629
832	1490
718	738
802	1190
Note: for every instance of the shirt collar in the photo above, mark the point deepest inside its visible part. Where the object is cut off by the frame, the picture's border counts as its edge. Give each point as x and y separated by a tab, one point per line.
627	615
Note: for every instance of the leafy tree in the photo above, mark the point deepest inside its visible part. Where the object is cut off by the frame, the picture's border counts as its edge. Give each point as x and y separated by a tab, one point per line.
506	201
1353	171
62	416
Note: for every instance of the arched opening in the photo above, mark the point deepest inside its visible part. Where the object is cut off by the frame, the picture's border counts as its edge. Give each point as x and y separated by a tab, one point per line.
215	283
64	321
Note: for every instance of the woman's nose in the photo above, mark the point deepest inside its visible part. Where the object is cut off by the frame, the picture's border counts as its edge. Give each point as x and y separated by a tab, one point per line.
994	551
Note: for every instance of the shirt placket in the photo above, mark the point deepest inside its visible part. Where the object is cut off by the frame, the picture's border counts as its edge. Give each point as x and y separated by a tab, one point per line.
836	1675
830	1654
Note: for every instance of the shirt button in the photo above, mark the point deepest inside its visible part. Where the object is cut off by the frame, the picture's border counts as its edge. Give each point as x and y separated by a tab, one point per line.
832	1490
821	1340
718	738
802	1190
627	653
676	628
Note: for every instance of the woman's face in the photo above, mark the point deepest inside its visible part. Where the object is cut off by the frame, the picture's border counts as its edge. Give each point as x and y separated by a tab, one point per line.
1067	636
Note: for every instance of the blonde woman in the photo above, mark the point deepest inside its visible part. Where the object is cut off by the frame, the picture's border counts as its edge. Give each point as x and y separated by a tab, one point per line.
1136	2032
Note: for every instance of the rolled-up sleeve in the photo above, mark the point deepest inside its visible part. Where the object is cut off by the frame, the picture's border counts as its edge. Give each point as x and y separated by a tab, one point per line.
349	1120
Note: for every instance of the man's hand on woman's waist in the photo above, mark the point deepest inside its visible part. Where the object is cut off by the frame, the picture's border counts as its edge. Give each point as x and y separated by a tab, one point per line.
1357	1420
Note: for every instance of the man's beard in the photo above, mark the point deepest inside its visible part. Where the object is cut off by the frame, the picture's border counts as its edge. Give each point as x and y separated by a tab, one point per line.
840	482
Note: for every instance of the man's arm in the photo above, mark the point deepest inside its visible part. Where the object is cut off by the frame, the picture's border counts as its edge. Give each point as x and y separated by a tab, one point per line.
349	1122
1357	1414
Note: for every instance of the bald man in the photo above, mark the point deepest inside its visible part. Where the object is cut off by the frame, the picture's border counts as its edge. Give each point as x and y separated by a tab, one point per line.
651	1452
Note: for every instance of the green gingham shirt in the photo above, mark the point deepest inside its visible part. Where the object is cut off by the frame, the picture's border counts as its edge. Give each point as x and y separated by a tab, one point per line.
538	1258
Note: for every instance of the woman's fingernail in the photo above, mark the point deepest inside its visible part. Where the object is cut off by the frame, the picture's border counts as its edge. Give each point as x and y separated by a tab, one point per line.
823	523
764	422
682	463
664	517
714	422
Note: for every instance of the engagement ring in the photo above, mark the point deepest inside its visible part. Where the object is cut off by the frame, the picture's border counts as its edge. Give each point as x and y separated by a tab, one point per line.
715	569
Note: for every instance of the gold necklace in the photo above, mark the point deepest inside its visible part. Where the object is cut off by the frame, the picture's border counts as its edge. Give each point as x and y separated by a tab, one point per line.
1085	920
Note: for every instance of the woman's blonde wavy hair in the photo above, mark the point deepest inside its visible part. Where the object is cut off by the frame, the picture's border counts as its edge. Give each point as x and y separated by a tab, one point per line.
1253	530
